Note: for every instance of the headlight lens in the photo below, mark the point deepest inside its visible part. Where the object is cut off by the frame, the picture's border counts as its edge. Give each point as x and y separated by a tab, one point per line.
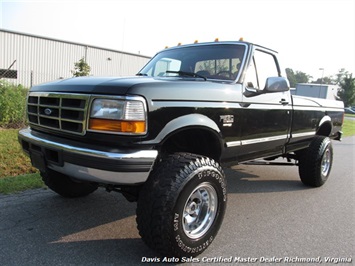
108	109
120	116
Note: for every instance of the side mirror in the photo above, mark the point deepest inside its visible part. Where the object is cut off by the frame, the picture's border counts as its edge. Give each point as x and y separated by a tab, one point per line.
276	84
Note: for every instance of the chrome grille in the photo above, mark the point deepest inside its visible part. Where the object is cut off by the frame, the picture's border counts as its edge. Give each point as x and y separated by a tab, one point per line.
58	111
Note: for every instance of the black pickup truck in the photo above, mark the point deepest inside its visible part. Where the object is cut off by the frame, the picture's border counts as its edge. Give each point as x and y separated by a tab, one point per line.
161	137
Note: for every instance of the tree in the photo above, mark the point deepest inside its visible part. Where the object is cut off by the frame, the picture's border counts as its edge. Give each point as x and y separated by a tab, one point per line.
81	68
291	77
296	77
333	80
325	80
347	90
302	77
341	75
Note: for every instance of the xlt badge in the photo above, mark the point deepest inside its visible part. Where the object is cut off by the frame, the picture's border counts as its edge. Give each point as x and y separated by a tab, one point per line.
227	120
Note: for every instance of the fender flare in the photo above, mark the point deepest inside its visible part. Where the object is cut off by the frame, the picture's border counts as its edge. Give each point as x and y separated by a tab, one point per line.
325	120
181	122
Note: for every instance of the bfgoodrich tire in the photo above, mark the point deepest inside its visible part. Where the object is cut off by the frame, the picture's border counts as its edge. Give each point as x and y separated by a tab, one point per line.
181	206
316	162
65	186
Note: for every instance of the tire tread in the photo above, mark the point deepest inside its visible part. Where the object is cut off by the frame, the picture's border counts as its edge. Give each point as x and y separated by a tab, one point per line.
158	197
310	162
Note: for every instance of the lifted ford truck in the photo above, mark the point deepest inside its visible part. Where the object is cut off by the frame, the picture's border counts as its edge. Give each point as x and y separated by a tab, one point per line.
161	137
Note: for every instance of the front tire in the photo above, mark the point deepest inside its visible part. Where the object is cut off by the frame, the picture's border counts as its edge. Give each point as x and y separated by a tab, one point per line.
65	186
316	162
181	207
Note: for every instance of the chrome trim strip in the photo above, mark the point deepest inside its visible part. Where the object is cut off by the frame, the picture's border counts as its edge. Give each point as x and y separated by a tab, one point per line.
259	140
305	134
254	141
233	144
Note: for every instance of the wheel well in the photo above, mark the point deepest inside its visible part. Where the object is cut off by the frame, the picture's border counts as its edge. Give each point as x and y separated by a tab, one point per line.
194	140
325	129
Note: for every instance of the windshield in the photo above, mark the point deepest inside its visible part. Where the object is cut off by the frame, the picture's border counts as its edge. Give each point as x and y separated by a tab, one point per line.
216	61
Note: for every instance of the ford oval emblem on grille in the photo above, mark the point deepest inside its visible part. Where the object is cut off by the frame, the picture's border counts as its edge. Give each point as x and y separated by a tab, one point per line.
48	111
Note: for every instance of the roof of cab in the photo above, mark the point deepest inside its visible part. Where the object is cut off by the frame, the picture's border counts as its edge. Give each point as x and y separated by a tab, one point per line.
219	43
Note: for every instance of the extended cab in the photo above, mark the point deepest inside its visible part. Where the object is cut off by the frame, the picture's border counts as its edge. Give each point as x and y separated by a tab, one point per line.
161	137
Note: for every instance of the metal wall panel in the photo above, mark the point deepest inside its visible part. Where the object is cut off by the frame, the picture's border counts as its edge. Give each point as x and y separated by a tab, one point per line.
40	59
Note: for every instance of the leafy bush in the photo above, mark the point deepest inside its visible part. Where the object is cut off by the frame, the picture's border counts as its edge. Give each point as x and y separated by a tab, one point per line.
12	105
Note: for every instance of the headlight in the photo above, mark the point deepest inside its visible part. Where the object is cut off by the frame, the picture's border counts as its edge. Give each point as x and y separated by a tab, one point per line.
120	116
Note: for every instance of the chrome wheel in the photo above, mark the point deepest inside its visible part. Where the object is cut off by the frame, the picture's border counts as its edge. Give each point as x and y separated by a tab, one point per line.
182	204
326	162
200	211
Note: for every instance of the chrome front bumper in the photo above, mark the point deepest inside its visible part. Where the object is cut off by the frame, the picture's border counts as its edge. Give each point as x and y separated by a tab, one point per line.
118	167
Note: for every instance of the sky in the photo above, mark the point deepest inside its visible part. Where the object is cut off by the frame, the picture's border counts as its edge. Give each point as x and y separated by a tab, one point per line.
313	36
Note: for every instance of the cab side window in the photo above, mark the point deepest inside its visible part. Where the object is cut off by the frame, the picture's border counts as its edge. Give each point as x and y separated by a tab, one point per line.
251	78
265	67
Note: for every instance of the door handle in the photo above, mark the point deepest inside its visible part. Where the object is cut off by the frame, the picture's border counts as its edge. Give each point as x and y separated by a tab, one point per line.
283	102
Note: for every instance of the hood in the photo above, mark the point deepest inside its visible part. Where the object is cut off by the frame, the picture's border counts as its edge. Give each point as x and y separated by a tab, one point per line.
151	88
93	85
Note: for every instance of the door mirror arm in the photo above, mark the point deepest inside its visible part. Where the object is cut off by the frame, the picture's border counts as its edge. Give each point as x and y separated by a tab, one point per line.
273	84
251	92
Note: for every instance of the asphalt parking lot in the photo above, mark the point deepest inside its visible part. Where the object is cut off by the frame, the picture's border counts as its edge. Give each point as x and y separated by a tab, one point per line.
271	215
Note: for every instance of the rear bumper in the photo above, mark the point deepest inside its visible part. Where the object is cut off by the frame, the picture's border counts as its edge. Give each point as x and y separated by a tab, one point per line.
89	163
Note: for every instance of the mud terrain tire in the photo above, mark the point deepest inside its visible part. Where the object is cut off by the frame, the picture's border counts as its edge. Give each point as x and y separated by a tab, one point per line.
315	162
181	207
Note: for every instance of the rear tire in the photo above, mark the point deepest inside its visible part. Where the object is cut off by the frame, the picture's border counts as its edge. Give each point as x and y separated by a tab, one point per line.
181	206
316	162
65	186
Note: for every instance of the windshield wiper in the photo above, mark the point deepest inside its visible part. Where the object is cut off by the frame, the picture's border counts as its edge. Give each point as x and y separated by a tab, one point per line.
141	74
183	73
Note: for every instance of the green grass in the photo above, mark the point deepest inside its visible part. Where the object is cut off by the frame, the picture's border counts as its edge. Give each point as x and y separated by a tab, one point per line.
13	184
349	127
17	174
13	161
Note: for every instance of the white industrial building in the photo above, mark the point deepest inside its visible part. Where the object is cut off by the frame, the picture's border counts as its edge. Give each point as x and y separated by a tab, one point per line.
29	60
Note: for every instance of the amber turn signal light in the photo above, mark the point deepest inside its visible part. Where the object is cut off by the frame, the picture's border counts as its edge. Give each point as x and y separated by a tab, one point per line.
117	126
